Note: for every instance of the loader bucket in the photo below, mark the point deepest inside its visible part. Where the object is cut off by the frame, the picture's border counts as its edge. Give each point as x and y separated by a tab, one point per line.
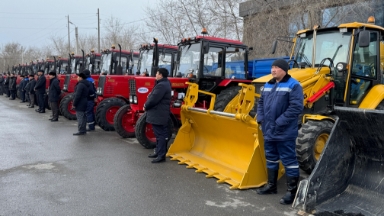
223	145
349	175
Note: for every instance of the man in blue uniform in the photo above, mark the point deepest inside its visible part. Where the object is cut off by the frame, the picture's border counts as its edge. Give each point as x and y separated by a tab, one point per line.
278	111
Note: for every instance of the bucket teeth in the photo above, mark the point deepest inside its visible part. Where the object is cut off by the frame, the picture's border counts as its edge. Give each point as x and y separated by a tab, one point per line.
211	175
192	166
184	162
223	180
200	170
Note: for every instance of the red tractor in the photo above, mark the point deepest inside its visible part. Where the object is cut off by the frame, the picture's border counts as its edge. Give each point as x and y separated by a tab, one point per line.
152	56
62	69
92	62
113	87
218	65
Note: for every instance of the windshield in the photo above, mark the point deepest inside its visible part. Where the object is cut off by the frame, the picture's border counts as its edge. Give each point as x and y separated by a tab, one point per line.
88	64
105	63
165	61
146	57
73	65
334	45
189	60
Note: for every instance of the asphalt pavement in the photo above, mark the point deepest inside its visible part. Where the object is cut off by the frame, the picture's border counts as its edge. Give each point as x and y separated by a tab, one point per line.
45	170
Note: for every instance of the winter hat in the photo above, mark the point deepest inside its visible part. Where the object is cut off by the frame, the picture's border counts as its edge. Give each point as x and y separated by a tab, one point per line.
53	73
42	71
163	71
281	63
87	72
82	75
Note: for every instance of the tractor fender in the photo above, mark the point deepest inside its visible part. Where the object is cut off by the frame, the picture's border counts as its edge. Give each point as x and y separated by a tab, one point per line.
122	98
307	117
373	98
176	122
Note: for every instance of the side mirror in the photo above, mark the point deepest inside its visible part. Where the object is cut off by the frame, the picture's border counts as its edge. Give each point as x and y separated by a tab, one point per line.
274	45
364	38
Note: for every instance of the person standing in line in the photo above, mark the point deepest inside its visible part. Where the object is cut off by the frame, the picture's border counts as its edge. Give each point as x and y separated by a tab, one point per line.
1	83
40	91
21	88
6	85
90	102
26	94
30	89
278	111
158	110
12	86
80	103
54	95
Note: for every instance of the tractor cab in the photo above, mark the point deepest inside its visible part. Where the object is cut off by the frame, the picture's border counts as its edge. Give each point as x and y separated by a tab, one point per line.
76	65
92	63
115	66
62	69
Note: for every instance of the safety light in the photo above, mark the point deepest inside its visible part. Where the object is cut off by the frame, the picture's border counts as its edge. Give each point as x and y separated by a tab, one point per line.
204	31
315	27
92	50
371	19
113	46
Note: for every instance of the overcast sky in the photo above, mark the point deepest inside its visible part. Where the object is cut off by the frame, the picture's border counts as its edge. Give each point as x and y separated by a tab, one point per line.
33	22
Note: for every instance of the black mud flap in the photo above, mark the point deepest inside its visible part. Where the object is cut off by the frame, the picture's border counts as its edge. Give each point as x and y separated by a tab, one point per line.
349	177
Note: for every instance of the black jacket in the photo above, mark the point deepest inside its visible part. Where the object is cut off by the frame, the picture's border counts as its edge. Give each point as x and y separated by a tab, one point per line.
30	87
12	84
40	85
54	90
158	103
81	95
6	82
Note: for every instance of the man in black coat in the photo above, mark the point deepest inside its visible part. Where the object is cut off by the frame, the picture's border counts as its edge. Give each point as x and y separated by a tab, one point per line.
1	83
40	91
158	110
21	88
6	85
54	95
30	89
80	103
12	86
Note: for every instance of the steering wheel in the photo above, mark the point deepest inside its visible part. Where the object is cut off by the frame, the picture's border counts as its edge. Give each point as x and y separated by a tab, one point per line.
294	63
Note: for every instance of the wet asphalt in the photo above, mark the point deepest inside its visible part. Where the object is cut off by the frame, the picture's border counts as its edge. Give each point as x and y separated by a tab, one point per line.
45	170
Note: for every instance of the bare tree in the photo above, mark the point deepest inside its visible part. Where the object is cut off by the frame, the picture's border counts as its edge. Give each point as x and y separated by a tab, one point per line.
119	33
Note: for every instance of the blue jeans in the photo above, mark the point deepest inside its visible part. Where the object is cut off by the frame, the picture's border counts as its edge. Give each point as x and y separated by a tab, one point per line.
284	151
90	115
81	121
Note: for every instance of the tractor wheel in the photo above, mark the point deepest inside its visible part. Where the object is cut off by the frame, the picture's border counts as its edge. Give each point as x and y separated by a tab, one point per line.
105	112
225	96
123	122
310	143
144	132
65	107
380	106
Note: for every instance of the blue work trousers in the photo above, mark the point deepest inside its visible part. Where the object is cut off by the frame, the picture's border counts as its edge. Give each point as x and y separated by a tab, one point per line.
162	135
90	115
284	151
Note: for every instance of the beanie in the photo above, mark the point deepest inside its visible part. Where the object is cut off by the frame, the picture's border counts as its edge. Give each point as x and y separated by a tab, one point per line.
82	75
163	71
53	73
282	64
87	72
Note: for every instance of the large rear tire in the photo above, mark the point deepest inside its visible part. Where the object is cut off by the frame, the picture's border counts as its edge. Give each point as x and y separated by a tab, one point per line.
66	107
105	112
225	96
123	122
144	132
310	143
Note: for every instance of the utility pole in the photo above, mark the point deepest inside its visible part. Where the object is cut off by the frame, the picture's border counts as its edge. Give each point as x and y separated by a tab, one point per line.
69	39
98	30
77	40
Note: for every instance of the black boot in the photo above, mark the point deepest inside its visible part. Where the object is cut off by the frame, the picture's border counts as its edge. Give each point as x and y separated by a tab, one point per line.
154	154
271	186
291	190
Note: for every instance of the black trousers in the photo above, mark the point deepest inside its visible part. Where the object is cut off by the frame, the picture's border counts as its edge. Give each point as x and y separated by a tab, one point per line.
7	92
31	99
162	135
13	94
55	110
40	101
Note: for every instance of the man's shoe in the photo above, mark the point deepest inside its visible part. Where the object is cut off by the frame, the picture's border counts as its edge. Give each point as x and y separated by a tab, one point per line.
31	107
54	120
22	101
289	196
37	110
79	134
90	130
271	186
153	155
158	160
42	111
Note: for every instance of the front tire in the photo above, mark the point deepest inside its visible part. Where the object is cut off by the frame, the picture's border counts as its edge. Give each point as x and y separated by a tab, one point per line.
65	107
105	112
123	122
310	143
225	96
144	132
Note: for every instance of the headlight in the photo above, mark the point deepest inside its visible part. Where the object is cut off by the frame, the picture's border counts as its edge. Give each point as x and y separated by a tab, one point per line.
130	99
177	103
135	99
341	66
65	87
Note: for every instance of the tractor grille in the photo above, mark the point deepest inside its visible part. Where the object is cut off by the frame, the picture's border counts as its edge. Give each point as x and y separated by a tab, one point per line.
132	87
100	87
109	90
